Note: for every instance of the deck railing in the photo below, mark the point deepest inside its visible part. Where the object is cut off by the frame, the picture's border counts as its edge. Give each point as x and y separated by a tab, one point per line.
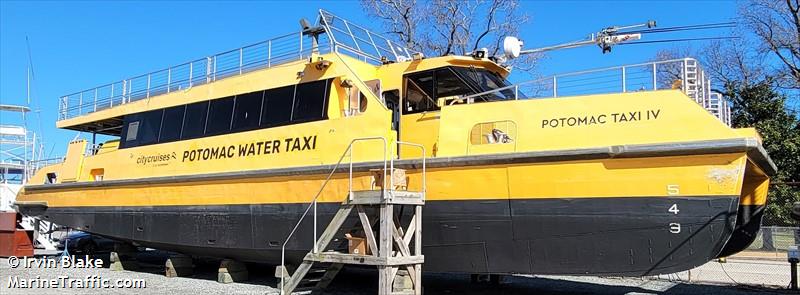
337	35
684	74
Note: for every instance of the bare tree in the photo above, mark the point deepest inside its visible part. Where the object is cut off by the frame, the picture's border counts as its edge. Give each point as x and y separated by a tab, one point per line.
733	61
399	16
442	27
776	25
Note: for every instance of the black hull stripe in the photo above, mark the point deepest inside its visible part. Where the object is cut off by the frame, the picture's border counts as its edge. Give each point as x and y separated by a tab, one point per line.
582	236
752	147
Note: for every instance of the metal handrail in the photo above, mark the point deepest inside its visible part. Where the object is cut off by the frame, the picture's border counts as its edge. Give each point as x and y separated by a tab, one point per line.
349	153
265	54
422	148
694	83
313	204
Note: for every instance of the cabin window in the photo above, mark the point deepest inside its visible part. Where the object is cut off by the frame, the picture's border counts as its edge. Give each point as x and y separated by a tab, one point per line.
449	85
309	101
194	122
484	81
291	104
277	108
142	128
171	124
247	111
51	178
423	90
133	131
419	94
220	113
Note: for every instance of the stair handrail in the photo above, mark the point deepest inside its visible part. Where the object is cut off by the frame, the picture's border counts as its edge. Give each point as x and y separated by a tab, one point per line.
313	204
422	148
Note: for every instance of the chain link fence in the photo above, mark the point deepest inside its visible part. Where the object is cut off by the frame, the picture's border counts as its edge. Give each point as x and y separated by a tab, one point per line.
763	264
775	241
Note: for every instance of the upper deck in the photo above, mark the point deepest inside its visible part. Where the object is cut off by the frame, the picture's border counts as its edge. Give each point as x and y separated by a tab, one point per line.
330	34
100	109
684	74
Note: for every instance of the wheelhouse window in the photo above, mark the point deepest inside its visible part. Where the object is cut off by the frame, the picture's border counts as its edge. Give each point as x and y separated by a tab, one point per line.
423	90
419	94
449	85
484	81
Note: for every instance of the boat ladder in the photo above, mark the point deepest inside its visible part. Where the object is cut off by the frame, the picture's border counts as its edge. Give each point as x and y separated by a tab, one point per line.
42	231
396	250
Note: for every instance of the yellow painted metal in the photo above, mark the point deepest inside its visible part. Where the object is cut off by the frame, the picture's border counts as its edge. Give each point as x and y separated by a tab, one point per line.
756	184
422	128
571	179
565	123
650	117
72	167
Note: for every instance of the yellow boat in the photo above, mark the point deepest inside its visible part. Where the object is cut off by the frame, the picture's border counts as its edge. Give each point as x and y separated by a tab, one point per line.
221	155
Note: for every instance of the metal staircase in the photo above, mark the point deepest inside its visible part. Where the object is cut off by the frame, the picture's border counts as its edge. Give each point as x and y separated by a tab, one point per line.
43	231
395	248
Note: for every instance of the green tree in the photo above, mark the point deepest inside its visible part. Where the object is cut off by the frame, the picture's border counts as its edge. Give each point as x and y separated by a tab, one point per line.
760	106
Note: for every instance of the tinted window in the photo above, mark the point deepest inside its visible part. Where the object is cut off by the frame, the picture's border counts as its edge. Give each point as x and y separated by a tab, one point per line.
484	81
219	116
309	102
448	84
419	94
247	111
277	106
194	122
142	128
171	124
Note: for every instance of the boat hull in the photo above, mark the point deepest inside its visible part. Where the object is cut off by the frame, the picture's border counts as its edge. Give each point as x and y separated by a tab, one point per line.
629	210
629	236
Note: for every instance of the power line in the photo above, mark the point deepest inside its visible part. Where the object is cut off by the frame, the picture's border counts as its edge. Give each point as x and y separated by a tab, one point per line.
684	28
677	40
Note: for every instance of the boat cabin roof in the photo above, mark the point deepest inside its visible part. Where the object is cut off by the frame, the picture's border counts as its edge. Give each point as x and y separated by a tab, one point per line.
102	109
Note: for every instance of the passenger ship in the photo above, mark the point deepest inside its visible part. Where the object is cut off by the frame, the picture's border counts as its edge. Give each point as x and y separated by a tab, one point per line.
220	157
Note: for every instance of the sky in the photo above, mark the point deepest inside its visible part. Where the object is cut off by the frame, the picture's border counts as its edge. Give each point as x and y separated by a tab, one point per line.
80	45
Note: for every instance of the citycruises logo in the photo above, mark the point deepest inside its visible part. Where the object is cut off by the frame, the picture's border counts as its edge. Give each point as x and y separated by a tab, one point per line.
156	159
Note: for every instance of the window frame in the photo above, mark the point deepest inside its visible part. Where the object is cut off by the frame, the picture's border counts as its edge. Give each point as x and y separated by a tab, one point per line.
201	134
324	111
409	78
180	129
137	117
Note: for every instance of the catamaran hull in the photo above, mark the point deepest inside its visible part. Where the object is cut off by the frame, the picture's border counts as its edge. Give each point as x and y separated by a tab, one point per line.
632	210
629	236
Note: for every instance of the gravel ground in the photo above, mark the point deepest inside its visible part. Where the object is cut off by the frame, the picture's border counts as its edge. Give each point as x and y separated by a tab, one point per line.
349	282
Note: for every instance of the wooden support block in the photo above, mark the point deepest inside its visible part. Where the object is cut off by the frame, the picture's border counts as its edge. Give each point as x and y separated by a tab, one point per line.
231	271
179	266
123	261
398	176
402	282
281	272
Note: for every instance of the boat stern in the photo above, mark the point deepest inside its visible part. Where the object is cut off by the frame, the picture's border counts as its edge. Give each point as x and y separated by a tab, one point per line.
753	195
